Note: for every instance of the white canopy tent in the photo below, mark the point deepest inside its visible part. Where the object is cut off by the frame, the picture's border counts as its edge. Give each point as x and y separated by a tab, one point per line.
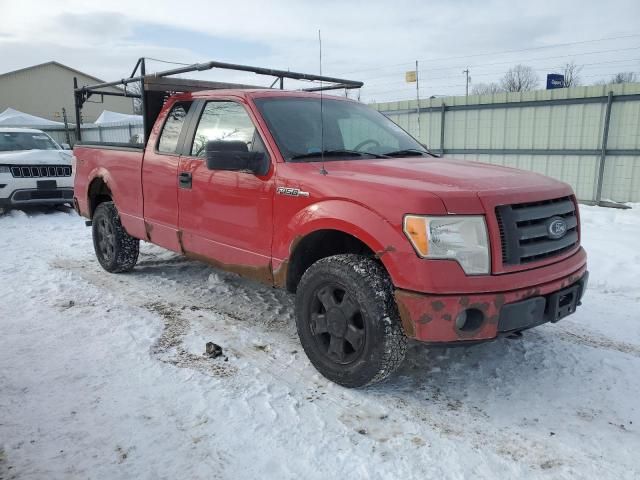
108	117
16	118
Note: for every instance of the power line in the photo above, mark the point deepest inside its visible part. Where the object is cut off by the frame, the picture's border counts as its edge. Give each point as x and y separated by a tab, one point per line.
427	78
504	51
482	65
167	61
602	75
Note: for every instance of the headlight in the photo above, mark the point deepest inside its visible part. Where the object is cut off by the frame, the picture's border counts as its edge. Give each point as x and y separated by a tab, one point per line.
455	237
5	169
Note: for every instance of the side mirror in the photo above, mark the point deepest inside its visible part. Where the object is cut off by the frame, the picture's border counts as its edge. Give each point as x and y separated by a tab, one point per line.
234	156
65	146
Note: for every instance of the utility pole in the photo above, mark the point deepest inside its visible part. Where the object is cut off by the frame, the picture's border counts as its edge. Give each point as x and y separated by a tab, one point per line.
66	126
466	72
418	98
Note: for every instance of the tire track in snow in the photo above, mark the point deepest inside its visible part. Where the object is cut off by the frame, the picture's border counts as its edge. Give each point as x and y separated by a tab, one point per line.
174	293
599	341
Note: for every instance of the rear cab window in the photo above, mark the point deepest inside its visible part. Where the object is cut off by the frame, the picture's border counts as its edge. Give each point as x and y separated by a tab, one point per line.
169	140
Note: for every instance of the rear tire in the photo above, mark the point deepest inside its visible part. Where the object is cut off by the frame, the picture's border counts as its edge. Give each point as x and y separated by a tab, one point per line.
348	322
116	250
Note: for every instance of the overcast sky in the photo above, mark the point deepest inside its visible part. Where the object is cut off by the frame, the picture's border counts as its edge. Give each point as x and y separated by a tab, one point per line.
374	41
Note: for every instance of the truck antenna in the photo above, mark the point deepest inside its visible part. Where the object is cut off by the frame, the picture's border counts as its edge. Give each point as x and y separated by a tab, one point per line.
323	171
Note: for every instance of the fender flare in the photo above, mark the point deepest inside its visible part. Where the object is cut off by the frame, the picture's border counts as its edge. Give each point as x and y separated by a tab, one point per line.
103	175
345	216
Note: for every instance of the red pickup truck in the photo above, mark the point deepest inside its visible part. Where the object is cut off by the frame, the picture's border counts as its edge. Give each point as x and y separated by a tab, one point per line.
380	240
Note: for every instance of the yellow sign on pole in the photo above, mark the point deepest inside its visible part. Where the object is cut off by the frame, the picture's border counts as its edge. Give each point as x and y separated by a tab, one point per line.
410	76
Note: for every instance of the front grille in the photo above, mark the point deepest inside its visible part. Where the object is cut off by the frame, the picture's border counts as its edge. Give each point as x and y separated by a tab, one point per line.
40	171
524	230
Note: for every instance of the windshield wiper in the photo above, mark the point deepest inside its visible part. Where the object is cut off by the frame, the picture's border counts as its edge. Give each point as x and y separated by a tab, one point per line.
337	153
408	152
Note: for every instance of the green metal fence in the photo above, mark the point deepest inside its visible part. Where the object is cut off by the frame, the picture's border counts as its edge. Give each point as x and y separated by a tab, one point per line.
586	136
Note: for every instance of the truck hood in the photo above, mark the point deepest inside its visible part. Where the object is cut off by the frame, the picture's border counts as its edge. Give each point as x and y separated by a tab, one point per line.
36	157
460	184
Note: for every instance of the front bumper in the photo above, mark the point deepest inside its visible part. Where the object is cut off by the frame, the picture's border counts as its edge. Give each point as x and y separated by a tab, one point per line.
21	191
439	318
38	196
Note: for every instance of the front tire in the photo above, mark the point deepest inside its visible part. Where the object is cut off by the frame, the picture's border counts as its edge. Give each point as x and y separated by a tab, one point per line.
116	250
348	322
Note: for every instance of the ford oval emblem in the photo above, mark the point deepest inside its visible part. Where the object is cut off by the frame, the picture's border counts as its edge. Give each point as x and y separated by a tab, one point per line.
556	228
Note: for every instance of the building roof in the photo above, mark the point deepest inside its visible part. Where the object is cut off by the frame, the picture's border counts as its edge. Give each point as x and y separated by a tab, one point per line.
19	130
58	64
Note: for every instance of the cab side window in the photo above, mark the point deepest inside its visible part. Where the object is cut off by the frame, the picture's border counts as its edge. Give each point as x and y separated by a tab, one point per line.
225	121
173	125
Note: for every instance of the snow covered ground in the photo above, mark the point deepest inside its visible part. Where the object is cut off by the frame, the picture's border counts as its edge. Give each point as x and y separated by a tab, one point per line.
102	376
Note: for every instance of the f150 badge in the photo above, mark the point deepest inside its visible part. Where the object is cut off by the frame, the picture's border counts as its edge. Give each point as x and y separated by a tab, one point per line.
292	192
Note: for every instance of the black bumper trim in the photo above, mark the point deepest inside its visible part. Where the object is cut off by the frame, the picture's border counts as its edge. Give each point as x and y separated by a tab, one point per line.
538	310
35	196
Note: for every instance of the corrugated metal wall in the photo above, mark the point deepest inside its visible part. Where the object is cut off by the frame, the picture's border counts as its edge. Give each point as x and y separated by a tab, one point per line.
555	132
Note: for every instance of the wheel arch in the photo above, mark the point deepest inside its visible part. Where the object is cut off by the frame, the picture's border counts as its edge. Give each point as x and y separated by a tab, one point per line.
331	228
97	193
317	245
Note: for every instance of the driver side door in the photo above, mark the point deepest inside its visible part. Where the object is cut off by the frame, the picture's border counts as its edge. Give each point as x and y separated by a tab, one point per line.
226	216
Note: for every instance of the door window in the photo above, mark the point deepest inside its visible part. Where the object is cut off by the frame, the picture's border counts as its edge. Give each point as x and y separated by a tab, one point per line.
170	135
225	121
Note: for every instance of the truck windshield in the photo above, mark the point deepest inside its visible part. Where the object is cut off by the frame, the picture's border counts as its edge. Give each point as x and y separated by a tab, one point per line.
14	141
351	130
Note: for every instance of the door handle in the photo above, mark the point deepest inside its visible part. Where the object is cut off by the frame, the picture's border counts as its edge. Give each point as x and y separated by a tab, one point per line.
184	179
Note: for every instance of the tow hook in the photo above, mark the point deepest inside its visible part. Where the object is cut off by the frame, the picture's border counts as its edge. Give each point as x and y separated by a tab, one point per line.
515	336
88	223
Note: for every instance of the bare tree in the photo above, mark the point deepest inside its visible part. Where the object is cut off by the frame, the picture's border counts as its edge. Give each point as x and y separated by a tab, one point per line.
624	77
520	78
571	73
620	77
486	88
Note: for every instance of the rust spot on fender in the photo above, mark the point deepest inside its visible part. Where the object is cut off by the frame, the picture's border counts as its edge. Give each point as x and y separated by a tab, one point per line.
424	319
446	317
405	316
532	292
148	228
387	249
261	274
437	305
280	275
294	243
179	234
571	280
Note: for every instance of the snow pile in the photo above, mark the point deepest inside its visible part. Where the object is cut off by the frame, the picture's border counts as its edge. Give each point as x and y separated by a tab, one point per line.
16	118
102	376
108	117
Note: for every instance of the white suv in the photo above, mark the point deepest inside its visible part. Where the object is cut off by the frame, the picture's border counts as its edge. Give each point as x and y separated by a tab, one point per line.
34	169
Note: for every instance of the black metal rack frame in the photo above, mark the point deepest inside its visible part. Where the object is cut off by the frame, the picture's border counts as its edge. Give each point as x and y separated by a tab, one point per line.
155	87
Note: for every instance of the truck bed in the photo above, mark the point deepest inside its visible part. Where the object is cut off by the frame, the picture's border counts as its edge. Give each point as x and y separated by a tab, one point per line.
119	166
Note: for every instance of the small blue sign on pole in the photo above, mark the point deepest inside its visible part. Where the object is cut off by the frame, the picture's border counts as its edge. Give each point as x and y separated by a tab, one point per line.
555	80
